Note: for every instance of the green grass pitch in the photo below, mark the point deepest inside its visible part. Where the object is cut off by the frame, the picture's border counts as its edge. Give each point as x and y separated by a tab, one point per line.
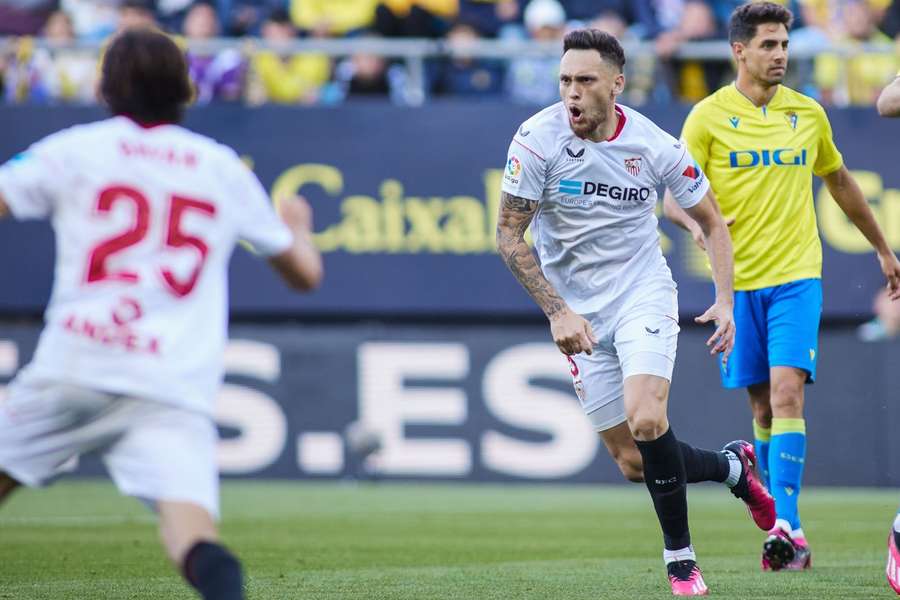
79	539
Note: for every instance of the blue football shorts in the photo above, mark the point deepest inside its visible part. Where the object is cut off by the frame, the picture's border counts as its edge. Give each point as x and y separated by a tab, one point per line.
775	327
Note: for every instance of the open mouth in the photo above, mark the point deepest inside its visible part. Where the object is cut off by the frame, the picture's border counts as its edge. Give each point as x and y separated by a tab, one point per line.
575	114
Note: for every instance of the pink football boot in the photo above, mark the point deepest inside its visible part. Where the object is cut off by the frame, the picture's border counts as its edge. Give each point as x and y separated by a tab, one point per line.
686	579
750	488
893	562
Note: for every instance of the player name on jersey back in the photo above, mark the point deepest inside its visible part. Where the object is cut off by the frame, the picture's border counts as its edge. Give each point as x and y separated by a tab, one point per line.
145	222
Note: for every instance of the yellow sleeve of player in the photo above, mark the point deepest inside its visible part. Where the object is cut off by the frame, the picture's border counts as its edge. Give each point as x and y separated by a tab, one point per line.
697	137
828	159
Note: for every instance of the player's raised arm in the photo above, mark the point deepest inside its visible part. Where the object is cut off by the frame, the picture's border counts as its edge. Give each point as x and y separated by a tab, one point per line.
571	333
4	208
718	243
889	101
849	197
301	264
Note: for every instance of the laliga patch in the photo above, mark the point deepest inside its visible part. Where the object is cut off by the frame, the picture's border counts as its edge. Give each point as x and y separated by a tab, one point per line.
513	170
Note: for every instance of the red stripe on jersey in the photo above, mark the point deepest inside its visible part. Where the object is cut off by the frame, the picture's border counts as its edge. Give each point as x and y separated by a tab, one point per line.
678	162
529	149
620	125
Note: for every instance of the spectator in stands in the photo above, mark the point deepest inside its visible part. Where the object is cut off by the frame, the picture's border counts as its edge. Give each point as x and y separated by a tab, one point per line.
612	23
640	15
278	75
58	30
201	22
67	74
93	20
52	72
331	18
21	79
463	75
368	75
535	79
680	22
639	70
858	79
828	16
245	17
722	10
215	75
685	21
136	14
24	17
492	17
415	18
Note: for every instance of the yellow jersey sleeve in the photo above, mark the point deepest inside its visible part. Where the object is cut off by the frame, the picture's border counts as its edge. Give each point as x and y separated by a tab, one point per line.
828	159
697	136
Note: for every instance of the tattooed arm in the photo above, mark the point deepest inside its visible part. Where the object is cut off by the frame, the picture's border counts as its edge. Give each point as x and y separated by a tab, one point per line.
571	332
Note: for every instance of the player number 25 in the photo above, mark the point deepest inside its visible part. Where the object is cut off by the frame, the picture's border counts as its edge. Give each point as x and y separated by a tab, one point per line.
175	237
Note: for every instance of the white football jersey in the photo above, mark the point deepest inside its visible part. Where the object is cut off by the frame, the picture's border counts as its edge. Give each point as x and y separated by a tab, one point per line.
145	222
595	229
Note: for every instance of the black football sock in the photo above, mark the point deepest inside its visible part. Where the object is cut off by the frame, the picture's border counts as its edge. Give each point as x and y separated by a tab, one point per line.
214	572
665	477
704	465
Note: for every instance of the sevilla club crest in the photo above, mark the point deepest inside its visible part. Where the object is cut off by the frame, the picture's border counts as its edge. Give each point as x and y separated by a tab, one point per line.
633	165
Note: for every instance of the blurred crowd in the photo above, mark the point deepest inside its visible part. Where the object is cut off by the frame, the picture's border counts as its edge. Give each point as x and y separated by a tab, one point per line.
39	63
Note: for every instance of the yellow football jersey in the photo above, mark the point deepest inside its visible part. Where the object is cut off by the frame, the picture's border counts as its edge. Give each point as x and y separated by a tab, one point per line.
760	162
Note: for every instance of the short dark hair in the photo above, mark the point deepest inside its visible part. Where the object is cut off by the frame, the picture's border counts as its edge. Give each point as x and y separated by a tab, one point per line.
281	16
145	77
746	18
145	5
594	39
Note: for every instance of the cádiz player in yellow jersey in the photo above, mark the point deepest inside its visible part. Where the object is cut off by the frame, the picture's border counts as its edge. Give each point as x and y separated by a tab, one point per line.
760	143
889	106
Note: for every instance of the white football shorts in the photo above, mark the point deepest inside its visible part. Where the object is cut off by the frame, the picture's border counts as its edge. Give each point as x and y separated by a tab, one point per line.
153	451
639	339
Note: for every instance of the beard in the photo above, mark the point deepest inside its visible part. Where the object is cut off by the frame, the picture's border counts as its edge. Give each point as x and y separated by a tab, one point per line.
771	77
590	121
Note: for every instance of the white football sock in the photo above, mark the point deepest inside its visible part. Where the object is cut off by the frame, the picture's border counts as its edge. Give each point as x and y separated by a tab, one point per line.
783	524
735	468
670	556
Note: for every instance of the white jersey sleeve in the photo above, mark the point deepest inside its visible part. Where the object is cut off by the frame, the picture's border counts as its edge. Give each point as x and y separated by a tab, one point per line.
27	182
259	224
680	172
525	174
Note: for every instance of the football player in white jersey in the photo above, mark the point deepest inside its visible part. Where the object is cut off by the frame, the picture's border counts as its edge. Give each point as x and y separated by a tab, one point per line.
146	215
583	174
